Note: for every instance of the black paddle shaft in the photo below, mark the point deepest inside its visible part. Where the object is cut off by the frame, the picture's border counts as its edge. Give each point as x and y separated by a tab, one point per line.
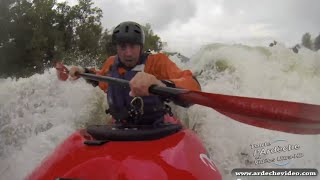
154	89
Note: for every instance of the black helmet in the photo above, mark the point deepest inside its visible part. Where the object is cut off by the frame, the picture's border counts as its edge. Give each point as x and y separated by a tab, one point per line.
128	32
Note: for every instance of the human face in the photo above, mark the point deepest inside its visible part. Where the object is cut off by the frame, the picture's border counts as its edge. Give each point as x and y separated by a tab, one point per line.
129	54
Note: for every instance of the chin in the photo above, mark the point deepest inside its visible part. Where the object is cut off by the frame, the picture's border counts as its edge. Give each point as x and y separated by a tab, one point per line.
130	65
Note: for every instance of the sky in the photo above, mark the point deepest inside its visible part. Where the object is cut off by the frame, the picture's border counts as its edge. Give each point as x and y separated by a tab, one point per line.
187	25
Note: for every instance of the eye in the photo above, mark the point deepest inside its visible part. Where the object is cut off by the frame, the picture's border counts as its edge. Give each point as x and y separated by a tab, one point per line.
122	46
132	46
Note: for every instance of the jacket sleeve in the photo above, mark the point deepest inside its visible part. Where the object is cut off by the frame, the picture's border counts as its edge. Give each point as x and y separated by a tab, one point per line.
103	72
164	69
91	71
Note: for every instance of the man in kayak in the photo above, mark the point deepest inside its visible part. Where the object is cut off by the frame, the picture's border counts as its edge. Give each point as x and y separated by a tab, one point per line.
136	105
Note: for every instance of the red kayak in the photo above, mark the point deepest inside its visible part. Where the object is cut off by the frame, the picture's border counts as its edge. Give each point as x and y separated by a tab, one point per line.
129	153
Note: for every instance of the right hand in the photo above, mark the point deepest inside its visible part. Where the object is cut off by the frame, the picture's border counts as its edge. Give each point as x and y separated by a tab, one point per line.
74	72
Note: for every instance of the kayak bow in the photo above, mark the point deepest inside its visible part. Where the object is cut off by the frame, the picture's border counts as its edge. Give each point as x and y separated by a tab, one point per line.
135	152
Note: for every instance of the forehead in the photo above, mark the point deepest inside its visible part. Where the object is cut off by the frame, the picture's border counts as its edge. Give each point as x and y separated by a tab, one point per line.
128	44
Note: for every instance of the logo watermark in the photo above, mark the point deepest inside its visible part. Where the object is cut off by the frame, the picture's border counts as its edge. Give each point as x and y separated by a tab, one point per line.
274	172
279	152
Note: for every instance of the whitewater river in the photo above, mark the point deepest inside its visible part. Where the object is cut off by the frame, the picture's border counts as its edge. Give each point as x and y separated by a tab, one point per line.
38	112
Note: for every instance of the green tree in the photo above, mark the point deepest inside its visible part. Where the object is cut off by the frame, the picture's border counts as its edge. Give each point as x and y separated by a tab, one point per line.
4	33
35	31
64	28
306	40
317	43
106	46
88	26
4	20
153	41
17	44
31	36
44	38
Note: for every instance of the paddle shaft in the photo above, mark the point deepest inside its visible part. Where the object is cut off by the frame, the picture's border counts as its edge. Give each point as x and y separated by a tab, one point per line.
154	89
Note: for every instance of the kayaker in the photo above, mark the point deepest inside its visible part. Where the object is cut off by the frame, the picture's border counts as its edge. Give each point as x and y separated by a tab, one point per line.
137	105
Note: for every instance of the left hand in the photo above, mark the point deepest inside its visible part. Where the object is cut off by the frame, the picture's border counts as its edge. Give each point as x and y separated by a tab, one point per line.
141	82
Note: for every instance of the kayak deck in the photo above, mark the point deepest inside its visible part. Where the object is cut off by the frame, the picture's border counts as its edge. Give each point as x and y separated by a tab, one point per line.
107	152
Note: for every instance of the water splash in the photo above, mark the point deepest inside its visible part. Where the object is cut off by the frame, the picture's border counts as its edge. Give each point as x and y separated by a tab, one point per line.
38	112
263	72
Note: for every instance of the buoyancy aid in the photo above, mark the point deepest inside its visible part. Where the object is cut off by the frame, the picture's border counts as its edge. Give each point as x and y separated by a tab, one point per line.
137	110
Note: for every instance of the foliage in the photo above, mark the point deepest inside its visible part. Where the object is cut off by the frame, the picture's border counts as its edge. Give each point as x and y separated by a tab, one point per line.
312	44
306	40
317	43
35	32
152	41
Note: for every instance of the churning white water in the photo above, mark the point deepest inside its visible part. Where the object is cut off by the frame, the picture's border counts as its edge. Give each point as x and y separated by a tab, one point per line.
38	112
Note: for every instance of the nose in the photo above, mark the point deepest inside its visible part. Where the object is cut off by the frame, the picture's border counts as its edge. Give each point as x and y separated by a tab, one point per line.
128	51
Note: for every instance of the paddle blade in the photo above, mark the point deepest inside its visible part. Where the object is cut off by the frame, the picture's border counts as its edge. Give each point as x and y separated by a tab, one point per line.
294	128
292	117
62	71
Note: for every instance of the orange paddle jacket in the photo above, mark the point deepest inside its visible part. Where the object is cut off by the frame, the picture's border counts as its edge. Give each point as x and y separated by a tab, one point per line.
162	68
